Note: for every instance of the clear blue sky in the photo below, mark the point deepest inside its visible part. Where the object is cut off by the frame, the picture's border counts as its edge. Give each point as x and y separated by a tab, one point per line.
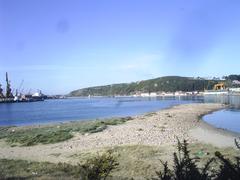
62	45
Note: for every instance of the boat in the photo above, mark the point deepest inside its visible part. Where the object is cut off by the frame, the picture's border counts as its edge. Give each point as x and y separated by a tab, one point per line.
38	96
19	97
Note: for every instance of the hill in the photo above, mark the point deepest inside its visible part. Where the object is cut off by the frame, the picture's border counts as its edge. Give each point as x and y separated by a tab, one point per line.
167	84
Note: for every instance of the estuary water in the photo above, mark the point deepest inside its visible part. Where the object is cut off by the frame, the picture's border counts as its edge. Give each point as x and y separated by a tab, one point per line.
63	110
79	109
228	118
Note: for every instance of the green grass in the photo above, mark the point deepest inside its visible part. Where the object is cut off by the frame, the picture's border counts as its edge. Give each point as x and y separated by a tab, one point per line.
96	168
205	151
21	169
28	136
142	162
135	161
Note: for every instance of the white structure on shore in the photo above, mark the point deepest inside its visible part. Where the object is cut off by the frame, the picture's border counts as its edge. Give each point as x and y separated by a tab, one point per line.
234	90
167	94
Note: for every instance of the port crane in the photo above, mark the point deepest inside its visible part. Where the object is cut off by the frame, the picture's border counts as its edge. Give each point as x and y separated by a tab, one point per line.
219	86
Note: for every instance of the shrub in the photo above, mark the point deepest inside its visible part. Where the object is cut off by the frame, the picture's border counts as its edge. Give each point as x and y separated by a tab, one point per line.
96	168
99	167
185	167
228	169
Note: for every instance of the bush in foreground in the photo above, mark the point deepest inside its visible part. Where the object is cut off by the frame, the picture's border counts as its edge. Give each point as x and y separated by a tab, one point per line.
99	167
185	167
228	169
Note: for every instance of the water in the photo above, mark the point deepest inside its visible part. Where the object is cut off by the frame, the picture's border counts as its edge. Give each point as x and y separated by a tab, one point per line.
233	101
65	110
228	118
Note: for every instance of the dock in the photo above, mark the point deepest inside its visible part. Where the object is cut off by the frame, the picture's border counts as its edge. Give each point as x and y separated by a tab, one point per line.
7	100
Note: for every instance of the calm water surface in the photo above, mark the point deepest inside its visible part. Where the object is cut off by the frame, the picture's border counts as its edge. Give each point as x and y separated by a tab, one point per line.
83	108
227	118
79	109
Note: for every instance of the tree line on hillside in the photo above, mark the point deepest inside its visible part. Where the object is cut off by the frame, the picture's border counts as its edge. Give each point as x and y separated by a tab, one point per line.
232	77
166	84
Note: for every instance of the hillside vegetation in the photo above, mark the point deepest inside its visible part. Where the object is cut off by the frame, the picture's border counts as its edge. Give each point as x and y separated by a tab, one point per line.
167	84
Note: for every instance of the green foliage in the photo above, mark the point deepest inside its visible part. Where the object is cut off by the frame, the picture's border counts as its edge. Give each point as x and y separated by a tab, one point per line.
167	84
166	174
28	139
233	77
185	167
54	133
228	169
237	143
100	167
96	168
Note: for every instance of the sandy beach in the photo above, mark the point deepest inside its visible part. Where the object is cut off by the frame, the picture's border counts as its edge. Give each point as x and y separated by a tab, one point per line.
153	129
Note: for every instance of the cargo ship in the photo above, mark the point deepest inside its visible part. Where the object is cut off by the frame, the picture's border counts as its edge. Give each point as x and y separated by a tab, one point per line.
8	97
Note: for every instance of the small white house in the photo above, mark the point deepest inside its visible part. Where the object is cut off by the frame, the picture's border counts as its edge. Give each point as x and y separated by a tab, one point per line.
153	94
145	94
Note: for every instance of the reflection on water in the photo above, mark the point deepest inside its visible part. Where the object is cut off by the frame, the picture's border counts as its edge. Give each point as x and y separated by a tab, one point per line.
233	101
228	118
225	119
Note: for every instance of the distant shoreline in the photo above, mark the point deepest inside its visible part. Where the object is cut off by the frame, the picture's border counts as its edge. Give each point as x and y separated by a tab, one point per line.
134	96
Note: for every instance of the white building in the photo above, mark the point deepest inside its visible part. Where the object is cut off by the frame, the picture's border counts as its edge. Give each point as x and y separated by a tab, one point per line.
234	89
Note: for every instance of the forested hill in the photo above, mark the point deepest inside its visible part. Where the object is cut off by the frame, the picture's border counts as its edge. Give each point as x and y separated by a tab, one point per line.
167	84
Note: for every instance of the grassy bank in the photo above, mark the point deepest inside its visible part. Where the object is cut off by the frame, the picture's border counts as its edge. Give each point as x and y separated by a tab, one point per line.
136	161
21	169
98	167
28	136
142	162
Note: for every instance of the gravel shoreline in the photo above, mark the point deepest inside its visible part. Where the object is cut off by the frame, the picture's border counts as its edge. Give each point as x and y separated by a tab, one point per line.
154	129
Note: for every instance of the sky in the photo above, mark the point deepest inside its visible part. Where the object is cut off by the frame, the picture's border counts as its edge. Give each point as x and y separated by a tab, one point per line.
63	45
